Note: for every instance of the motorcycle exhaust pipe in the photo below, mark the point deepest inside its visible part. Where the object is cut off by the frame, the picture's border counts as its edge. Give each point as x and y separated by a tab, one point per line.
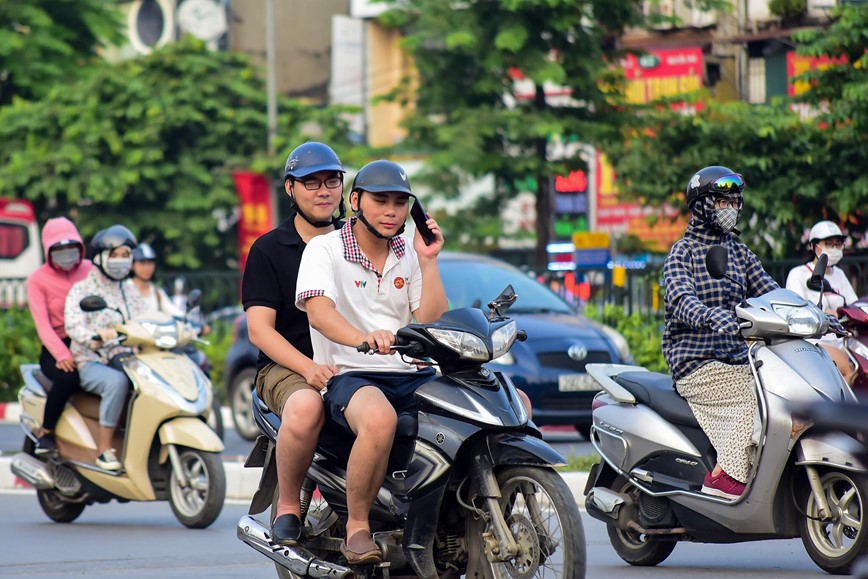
296	559
32	471
610	507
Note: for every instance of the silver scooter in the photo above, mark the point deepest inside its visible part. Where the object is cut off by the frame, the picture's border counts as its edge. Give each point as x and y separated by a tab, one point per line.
802	483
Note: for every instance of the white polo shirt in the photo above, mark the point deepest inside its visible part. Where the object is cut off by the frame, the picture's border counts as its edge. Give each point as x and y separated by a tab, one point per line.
797	281
334	266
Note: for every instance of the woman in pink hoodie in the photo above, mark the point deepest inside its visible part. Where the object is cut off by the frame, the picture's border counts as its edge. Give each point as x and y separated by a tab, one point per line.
46	295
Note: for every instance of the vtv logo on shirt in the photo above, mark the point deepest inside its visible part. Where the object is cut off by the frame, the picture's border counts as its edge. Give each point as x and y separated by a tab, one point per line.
361	283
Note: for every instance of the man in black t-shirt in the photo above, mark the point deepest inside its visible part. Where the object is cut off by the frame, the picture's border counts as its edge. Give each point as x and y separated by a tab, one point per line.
287	378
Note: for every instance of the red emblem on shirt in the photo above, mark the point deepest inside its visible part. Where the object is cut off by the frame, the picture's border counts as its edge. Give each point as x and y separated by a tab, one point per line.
399	282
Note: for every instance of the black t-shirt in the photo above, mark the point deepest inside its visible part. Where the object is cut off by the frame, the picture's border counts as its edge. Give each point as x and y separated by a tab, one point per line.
269	280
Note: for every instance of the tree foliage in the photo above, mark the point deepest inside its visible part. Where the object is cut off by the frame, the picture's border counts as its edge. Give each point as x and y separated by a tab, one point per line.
152	143
472	117
44	43
797	170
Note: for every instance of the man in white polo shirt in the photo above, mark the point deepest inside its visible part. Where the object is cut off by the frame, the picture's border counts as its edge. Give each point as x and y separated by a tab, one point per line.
361	284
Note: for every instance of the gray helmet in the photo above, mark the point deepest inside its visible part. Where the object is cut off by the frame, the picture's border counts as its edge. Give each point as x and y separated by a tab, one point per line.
382	177
144	252
310	158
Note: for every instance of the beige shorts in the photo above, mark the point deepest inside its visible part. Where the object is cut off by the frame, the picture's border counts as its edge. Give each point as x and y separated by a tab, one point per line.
275	384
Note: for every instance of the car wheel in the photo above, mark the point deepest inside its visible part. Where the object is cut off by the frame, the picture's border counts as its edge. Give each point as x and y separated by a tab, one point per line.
241	400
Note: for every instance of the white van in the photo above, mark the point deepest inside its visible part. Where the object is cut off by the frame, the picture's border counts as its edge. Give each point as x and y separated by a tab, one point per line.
20	249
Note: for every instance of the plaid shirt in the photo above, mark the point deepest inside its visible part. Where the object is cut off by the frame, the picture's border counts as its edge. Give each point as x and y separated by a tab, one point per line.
691	292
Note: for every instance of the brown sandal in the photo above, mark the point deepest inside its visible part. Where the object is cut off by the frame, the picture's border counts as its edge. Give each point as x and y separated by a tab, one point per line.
363	552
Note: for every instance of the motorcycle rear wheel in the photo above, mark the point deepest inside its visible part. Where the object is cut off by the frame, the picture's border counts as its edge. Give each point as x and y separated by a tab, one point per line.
199	504
52	503
544	520
836	545
634	548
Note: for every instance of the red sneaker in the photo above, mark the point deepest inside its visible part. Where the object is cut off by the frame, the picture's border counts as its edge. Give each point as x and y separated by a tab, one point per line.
723	486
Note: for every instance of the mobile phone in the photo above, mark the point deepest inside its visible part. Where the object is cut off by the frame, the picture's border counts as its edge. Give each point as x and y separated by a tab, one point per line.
420	218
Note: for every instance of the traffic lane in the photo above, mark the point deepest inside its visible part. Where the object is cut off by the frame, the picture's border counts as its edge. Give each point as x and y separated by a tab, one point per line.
113	540
144	539
759	559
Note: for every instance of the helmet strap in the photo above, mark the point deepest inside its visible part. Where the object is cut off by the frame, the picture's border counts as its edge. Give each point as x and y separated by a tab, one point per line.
370	227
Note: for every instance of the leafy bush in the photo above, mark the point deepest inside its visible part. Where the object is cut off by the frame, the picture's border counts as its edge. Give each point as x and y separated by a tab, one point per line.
219	342
643	332
18	345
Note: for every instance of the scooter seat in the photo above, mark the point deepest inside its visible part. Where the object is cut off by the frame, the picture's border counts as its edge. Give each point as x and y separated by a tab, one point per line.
657	391
44	380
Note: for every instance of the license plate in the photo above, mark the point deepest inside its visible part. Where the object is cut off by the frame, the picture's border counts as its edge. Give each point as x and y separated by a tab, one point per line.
577	383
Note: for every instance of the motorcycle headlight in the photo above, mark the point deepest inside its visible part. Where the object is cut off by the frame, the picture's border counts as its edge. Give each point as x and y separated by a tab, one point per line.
802	321
502	339
506	360
165	335
467	345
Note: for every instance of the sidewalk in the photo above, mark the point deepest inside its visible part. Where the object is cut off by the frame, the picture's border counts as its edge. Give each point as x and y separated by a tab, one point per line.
241	482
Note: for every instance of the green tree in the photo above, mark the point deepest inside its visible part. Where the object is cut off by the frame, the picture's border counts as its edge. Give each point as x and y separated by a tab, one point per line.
152	143
44	43
471	116
797	170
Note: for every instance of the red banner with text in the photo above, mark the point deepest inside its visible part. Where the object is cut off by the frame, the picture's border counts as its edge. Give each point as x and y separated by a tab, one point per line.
254	204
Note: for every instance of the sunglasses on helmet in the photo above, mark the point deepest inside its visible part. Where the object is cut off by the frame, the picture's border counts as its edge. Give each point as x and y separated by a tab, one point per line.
733	183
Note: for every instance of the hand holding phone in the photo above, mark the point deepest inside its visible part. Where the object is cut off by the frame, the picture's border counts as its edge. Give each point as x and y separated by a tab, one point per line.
420	218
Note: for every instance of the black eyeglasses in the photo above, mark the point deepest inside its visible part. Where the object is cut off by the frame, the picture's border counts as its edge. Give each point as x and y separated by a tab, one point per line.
315	184
724	202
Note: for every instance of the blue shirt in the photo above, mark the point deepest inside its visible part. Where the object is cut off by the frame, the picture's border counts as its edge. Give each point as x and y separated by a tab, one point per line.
690	292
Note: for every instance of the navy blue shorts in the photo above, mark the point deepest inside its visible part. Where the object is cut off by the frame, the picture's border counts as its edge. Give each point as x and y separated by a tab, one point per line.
399	388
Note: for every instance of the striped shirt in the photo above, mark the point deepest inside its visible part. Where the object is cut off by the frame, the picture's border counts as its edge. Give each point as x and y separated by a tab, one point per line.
690	293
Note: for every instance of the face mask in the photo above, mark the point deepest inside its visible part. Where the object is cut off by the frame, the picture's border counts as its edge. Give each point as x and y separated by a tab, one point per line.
834	255
726	218
118	267
65	259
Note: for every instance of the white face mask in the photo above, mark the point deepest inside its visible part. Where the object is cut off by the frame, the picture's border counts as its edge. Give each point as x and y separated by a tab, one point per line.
66	259
834	254
118	267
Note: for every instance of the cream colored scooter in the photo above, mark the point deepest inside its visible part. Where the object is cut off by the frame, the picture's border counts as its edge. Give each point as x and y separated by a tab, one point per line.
168	450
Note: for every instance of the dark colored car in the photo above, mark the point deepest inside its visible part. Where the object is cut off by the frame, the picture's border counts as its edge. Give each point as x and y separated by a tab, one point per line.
549	366
240	374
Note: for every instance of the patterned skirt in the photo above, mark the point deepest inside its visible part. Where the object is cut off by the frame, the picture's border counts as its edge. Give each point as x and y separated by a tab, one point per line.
723	399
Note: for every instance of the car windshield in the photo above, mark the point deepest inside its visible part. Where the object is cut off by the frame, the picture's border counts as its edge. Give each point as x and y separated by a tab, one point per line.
471	283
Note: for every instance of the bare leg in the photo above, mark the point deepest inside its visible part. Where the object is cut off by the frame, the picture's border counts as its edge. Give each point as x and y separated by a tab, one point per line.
301	421
842	362
373	420
106	436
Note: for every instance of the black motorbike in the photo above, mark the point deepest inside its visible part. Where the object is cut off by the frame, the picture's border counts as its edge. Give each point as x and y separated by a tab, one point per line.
470	489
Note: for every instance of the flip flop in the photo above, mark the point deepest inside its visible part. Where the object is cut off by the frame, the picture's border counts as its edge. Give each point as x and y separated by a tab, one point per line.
364	550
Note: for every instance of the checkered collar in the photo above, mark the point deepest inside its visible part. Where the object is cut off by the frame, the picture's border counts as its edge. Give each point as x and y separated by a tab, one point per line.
703	232
352	251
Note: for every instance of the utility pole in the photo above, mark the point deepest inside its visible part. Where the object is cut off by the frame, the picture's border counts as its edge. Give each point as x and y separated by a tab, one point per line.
270	63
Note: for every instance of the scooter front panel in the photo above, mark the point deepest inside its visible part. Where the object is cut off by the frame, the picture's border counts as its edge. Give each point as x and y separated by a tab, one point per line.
801	372
628	434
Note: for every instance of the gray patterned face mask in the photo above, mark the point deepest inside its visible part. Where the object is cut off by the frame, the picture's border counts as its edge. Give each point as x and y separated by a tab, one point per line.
726	218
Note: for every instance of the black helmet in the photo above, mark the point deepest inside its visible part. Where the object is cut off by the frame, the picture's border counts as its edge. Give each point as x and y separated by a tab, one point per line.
144	252
382	177
310	158
113	237
711	180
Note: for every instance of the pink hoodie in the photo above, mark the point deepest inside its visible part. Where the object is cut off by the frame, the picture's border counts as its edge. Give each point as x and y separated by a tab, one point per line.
47	288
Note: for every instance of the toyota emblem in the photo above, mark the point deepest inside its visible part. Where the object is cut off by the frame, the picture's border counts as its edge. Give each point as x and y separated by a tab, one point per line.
577	352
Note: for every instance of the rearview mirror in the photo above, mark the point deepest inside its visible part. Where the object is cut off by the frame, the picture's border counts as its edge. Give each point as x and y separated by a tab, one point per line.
819	272
716	261
503	302
92	304
815	285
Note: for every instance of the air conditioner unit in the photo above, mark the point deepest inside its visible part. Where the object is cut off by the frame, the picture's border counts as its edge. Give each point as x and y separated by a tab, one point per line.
691	17
820	8
662	8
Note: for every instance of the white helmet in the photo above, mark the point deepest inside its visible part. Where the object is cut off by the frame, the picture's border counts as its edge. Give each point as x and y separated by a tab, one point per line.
824	230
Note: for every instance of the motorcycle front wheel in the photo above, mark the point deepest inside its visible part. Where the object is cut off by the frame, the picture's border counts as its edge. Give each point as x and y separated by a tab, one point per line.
198	504
836	542
542	516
